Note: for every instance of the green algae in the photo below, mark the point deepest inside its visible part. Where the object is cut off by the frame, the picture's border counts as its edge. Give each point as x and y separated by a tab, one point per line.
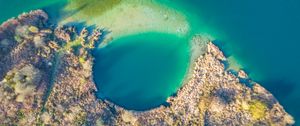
257	109
91	8
129	17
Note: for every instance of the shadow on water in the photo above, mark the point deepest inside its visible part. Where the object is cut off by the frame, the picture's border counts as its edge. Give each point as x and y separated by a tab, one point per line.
283	90
223	47
55	11
278	86
80	25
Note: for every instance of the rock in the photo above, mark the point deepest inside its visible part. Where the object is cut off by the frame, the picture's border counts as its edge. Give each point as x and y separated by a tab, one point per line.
24	80
242	74
62	34
33	29
128	117
57	88
46	31
53	45
39	41
22	31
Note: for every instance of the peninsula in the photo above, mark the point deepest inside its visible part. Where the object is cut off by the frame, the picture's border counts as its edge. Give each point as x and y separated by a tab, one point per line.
46	79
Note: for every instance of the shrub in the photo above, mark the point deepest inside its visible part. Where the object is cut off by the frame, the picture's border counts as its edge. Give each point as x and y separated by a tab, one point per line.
257	109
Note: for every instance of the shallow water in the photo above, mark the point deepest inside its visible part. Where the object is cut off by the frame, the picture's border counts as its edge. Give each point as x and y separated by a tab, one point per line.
140	71
262	36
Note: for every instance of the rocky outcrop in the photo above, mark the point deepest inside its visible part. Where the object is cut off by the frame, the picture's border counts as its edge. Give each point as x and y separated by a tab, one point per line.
23	78
214	96
36	63
46	80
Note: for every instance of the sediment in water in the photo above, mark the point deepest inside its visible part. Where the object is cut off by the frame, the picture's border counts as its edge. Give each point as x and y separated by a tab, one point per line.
212	96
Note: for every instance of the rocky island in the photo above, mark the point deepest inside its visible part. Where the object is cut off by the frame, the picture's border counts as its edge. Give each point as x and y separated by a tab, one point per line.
46	79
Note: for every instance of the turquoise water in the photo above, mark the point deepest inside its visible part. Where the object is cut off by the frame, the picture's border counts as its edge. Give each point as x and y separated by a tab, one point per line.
262	35
140	71
13	8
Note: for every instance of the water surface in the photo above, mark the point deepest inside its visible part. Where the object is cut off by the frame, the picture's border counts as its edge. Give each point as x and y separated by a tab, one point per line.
140	71
263	36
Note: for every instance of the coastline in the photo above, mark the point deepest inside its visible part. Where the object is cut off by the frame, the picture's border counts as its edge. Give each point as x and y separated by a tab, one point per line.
212	96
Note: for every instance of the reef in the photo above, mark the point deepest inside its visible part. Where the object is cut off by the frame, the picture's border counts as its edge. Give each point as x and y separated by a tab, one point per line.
46	79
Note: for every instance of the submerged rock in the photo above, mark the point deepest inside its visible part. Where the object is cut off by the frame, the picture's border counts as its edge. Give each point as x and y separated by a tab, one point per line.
57	88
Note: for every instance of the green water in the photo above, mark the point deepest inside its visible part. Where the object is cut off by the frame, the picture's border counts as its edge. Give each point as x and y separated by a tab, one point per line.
13	8
263	36
140	71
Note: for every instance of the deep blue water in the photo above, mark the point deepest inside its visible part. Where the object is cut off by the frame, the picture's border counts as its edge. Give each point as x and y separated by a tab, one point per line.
263	35
141	71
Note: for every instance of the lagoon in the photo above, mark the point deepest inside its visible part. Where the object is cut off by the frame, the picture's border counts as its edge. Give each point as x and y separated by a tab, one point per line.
261	36
141	71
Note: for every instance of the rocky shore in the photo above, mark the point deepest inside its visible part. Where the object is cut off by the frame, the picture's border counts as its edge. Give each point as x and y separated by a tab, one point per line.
46	79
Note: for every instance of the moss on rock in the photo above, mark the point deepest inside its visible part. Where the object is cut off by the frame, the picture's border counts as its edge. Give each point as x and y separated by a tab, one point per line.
257	109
